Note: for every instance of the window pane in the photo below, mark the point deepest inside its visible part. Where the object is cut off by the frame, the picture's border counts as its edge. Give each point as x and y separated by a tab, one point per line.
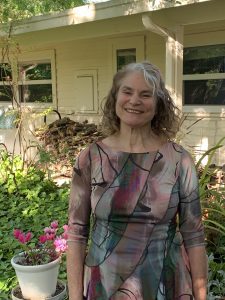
36	93
205	92
35	71
5	72
6	93
205	59
125	56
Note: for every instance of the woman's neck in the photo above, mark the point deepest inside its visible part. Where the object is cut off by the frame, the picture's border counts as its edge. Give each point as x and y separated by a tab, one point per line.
135	140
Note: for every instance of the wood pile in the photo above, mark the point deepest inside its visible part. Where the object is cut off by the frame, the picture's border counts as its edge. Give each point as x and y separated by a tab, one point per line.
64	139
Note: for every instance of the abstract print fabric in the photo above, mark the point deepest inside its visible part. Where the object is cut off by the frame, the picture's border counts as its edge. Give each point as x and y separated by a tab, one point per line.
146	213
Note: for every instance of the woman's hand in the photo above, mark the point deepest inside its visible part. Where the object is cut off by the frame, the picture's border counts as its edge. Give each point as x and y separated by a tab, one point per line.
199	270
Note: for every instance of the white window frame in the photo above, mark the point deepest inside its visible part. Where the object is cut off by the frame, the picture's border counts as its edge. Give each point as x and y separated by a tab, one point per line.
39	57
203	109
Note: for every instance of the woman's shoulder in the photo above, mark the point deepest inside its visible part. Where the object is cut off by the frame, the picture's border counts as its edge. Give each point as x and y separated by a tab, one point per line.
186	156
83	156
177	147
179	151
88	148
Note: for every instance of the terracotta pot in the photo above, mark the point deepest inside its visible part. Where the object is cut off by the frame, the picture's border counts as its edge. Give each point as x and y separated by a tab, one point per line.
36	282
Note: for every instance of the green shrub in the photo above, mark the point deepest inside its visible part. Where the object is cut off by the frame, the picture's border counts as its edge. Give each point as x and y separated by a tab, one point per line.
28	201
213	206
216	281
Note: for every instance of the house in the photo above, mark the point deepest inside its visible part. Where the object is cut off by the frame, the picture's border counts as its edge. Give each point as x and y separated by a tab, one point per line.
66	60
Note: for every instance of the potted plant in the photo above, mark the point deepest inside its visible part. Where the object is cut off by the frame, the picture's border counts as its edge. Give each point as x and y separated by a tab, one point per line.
38	265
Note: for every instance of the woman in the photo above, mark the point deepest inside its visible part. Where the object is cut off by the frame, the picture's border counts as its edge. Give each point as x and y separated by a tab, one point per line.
147	239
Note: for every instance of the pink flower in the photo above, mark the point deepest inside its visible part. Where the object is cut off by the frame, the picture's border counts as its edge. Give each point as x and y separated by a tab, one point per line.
42	239
49	245
16	233
28	236
22	238
47	230
60	244
54	224
50	236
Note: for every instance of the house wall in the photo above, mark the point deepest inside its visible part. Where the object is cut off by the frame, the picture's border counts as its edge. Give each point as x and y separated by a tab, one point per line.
207	132
76	56
156	50
96	57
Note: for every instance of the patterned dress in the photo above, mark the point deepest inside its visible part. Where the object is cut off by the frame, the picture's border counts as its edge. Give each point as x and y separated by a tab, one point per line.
146	213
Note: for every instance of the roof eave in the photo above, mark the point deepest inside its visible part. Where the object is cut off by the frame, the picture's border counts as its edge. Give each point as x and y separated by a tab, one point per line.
93	12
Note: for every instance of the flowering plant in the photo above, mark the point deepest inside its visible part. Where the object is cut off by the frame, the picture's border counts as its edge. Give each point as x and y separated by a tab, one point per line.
49	247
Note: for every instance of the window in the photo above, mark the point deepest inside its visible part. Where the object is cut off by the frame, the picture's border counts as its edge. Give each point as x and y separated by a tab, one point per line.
204	75
29	80
35	84
6	92
125	50
124	57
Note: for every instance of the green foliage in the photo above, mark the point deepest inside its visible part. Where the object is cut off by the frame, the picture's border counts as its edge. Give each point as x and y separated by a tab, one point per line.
13	10
212	198
28	201
213	205
216	282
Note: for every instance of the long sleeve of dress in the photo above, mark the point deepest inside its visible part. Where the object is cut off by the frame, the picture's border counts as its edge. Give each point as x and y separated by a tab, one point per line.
80	202
190	218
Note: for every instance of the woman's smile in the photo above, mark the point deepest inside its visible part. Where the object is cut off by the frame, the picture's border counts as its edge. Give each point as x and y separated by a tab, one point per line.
133	111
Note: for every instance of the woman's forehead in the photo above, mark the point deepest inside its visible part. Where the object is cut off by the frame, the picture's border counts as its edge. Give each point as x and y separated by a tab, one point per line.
136	79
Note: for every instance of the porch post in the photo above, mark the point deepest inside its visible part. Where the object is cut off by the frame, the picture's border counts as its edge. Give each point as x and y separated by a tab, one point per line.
174	57
174	65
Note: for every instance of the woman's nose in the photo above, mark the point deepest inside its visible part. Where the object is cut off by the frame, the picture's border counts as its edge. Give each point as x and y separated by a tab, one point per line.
135	99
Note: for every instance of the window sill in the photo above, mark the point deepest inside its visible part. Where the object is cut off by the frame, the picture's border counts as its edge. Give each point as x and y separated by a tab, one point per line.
204	111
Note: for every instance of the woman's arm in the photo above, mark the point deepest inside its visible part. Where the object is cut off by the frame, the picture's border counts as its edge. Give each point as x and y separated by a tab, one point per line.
191	227
75	269
198	264
79	219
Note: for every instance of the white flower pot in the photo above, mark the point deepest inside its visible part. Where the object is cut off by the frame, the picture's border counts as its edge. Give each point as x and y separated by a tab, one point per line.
36	282
60	294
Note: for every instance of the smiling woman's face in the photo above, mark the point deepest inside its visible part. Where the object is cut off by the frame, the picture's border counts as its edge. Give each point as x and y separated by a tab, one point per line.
135	105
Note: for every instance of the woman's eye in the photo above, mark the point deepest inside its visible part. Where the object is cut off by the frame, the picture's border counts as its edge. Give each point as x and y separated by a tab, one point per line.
146	95
127	93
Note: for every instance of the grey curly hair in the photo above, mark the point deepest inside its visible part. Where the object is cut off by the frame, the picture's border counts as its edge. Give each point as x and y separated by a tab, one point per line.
166	120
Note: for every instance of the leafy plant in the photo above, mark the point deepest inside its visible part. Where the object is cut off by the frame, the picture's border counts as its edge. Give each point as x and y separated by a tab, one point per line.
213	205
28	199
212	198
216	279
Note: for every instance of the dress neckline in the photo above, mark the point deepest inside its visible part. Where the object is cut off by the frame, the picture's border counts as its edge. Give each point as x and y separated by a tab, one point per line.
103	145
